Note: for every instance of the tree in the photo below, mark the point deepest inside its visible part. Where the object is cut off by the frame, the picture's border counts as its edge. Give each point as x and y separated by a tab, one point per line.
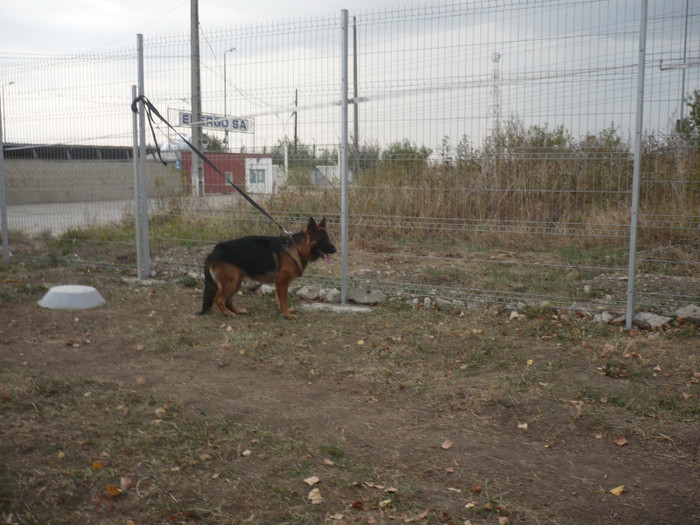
688	128
212	143
406	156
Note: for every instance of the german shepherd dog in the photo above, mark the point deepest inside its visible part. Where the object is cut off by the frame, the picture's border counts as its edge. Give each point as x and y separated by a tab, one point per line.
266	259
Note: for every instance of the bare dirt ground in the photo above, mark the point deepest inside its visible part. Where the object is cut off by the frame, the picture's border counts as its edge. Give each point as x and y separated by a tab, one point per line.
140	411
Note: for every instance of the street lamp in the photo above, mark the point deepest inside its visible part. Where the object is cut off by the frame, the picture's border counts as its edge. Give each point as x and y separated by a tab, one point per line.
4	128
225	112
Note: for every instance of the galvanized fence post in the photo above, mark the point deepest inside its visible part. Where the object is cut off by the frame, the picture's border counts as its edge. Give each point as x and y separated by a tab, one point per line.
639	127
344	159
142	183
3	198
137	185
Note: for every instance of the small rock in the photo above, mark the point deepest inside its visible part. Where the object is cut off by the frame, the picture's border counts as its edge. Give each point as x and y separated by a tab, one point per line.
266	289
329	295
444	304
649	320
310	293
622	319
690	313
518	307
603	317
366	297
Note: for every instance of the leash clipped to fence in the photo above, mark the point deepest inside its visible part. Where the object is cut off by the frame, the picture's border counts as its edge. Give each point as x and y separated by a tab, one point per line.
151	111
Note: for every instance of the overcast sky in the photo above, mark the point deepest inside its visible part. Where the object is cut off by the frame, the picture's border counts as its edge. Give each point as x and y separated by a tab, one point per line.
424	74
41	28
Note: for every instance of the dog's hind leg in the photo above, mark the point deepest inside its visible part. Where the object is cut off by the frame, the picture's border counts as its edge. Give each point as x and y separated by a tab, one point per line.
210	289
228	279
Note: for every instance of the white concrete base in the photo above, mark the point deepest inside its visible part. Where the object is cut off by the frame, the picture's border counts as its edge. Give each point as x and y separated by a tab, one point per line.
339	308
71	297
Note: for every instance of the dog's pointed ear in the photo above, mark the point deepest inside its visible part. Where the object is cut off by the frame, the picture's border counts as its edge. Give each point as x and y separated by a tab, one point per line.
311	226
322	224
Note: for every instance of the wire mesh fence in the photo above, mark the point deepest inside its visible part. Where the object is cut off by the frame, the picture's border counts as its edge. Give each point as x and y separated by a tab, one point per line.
491	149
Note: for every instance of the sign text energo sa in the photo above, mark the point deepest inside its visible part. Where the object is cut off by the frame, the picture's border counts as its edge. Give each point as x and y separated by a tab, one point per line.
217	122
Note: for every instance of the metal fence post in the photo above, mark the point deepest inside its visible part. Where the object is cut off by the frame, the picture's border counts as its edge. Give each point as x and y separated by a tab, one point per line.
142	183
3	196
632	270
137	186
344	159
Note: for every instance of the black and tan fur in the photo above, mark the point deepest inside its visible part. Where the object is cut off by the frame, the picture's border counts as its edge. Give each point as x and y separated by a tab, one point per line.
266	259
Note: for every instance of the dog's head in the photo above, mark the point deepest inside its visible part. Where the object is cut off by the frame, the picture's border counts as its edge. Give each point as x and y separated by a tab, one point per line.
319	241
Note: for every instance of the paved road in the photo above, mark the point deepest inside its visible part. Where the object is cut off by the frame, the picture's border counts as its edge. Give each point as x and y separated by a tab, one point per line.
57	218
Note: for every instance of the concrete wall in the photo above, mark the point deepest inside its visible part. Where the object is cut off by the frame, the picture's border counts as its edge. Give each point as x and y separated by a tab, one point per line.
49	181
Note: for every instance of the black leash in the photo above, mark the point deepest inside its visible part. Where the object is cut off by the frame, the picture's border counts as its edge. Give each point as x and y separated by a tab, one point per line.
151	110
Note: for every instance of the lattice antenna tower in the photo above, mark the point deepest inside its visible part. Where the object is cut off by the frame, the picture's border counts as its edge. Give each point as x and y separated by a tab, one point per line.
496	94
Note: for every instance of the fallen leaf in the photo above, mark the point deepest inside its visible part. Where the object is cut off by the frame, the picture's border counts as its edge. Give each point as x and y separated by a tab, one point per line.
328	462
502	520
113	491
312	481
61	454
621	442
447	445
522	426
315	497
160	412
530	362
617	491
97	465
140	380
104	501
246	453
190	515
125	483
477	488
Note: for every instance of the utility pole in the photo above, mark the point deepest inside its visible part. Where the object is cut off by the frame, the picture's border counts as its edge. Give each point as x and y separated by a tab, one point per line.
197	170
225	110
685	55
496	94
296	113
356	108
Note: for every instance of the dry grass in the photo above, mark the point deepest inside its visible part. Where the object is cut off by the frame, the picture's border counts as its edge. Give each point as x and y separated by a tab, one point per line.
142	395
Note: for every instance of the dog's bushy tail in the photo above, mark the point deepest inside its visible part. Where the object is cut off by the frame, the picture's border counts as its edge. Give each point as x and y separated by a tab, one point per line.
209	291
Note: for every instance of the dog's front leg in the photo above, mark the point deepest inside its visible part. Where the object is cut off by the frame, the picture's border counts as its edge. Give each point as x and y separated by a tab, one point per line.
282	292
